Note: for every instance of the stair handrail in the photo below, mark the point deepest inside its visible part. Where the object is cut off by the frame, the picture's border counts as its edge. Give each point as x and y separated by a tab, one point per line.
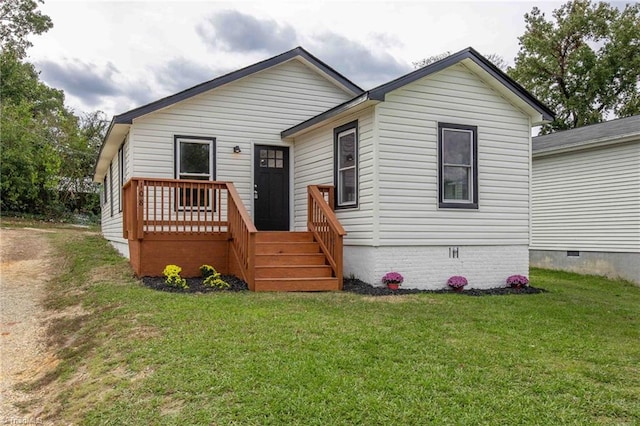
242	235
326	229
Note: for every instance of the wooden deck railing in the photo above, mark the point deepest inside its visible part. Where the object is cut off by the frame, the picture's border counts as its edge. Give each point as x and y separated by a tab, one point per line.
174	208
171	206
323	223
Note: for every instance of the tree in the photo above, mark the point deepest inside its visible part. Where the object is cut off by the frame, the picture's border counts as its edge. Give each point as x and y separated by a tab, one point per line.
32	123
496	59
19	19
47	153
584	63
78	157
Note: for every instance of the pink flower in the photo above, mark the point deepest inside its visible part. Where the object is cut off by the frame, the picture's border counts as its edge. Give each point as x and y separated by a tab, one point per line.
457	281
517	280
392	277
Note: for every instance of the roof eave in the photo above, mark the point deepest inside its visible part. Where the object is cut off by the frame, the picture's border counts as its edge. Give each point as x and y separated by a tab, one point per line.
113	139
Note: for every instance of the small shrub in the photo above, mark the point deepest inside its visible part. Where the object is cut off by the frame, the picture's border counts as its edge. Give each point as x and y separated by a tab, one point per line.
392	278
517	281
207	270
457	282
173	278
212	277
216	282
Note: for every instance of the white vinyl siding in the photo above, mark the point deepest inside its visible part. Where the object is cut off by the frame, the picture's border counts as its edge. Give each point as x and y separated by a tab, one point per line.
112	224
587	200
252	110
408	164
314	165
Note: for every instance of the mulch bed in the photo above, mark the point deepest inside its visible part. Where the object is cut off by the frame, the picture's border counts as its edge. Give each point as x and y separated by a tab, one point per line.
351	285
195	285
354	285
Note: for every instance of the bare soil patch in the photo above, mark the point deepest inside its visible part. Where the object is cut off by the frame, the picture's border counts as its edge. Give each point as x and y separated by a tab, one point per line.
27	265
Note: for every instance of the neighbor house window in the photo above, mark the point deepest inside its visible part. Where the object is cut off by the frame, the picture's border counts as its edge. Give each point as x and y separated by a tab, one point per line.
457	166
194	161
120	174
346	165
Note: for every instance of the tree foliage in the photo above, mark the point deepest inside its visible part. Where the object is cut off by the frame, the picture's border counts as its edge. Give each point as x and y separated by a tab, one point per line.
47	152
18	20
496	59
31	116
584	63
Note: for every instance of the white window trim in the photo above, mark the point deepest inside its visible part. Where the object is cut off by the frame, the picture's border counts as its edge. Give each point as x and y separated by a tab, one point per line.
340	132
210	141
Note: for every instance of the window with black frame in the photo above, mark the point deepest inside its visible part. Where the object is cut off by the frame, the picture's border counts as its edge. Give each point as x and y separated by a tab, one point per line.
346	165
195	161
458	166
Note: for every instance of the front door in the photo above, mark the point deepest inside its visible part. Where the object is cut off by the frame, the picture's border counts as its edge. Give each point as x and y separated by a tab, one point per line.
271	190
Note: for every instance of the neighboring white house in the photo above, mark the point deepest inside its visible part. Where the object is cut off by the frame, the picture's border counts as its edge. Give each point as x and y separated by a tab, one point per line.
586	200
431	170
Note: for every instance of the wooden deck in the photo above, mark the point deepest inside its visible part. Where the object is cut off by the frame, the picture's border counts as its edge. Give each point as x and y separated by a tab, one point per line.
190	223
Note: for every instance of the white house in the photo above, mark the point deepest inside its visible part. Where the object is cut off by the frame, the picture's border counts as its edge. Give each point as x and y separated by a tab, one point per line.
586	200
427	175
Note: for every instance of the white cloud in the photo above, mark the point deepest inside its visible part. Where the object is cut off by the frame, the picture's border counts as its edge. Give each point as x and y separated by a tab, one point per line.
129	53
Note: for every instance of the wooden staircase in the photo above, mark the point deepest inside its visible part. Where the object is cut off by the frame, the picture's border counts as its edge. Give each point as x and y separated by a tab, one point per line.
291	261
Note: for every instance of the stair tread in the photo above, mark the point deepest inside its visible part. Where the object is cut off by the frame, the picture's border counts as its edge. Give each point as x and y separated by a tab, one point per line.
297	279
297	284
293	266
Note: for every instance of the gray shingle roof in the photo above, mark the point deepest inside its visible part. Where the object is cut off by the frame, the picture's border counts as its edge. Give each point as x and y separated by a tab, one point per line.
609	131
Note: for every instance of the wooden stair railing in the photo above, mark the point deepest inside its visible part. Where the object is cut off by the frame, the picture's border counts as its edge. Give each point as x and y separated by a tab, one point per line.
327	230
242	236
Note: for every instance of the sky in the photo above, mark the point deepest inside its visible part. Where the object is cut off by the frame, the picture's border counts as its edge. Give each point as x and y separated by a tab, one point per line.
116	56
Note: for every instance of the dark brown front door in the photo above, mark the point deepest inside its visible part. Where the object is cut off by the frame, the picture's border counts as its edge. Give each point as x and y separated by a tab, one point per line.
271	190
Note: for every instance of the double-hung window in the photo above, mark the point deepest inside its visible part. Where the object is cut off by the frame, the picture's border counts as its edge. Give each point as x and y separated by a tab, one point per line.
194	161
346	165
457	166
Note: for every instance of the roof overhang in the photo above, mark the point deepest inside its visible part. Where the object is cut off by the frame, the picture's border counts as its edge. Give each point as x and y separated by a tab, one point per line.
112	141
524	103
354	105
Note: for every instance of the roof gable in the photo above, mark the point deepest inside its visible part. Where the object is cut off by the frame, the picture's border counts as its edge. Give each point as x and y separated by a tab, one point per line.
473	60
120	124
330	73
481	63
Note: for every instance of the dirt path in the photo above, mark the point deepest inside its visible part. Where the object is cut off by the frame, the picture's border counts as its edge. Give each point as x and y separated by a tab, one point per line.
26	266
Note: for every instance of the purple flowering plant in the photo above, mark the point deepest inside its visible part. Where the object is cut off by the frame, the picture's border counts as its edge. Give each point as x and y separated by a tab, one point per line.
457	281
517	280
392	277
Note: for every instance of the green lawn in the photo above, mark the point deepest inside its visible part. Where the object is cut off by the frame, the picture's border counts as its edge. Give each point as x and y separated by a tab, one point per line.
138	356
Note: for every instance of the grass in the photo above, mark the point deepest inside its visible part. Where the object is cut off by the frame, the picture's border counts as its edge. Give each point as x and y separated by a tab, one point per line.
138	356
